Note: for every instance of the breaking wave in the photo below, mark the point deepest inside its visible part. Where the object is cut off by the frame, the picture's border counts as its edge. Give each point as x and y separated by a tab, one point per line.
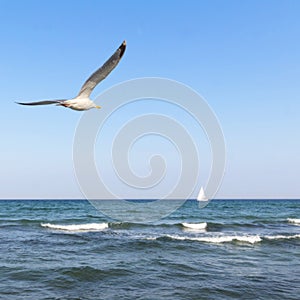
214	239
195	226
294	221
250	239
77	227
282	237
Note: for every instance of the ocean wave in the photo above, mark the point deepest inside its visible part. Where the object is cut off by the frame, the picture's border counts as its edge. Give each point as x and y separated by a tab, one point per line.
215	239
77	227
250	239
195	226
294	221
282	237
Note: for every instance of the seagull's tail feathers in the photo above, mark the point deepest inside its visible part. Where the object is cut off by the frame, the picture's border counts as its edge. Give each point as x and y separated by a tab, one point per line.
44	102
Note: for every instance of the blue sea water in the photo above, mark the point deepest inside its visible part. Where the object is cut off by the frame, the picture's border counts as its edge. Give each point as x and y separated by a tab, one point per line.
231	249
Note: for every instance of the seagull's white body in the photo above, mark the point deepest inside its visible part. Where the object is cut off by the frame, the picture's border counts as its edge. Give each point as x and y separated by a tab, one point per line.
79	104
82	101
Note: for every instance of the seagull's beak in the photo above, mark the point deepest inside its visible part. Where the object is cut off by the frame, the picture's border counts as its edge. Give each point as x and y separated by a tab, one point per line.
98	107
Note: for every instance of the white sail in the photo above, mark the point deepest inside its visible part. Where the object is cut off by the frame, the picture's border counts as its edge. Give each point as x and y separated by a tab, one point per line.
201	195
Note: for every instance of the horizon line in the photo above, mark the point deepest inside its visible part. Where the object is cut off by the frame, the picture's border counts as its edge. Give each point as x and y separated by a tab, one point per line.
146	199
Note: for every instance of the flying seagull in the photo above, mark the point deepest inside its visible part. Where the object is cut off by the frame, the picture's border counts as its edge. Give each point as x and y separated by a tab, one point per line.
82	101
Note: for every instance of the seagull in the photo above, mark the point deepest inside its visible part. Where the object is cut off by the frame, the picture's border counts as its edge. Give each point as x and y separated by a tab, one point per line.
82	101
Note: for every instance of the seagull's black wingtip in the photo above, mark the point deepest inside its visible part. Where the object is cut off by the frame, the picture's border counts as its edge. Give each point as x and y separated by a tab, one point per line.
122	48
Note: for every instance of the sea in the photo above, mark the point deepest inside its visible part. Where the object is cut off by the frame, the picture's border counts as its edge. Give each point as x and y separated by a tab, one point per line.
230	249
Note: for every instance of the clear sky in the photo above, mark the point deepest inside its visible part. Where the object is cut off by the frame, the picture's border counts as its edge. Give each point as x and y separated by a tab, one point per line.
243	57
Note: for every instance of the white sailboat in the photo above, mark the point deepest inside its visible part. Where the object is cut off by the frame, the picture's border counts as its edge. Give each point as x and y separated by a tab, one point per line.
201	195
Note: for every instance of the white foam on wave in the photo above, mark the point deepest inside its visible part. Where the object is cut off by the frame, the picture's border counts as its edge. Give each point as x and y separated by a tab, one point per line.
195	226
216	239
282	237
251	239
294	221
77	227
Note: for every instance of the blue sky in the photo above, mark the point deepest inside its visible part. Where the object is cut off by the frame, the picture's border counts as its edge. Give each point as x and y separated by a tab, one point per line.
243	57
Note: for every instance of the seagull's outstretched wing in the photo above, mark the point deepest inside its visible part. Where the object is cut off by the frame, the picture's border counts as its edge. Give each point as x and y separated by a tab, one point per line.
45	102
102	72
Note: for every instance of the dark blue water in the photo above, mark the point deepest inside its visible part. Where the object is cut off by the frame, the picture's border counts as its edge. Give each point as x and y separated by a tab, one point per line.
69	250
